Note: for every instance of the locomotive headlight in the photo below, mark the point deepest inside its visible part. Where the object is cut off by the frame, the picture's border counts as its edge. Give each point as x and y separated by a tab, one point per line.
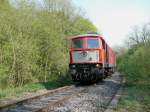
73	66
97	65
73	71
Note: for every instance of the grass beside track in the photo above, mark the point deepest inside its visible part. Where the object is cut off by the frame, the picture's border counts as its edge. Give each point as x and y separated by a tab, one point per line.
136	98
17	91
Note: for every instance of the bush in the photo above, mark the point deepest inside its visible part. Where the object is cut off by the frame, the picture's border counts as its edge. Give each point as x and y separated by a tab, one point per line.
135	64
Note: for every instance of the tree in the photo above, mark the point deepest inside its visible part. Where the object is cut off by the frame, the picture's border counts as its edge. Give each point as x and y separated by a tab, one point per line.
140	34
34	41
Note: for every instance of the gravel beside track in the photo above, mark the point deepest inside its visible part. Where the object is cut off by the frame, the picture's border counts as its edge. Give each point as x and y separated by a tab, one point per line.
78	98
96	98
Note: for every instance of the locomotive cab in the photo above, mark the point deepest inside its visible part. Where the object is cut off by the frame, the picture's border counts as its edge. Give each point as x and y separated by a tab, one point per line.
86	58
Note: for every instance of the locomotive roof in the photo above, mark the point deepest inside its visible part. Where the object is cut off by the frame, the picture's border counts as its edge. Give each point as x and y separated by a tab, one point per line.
86	35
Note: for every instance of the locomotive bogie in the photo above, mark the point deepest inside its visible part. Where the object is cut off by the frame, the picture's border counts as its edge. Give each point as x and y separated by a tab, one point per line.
86	72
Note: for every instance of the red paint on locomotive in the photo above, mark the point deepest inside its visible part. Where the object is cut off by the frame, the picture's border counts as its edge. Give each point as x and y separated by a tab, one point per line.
90	58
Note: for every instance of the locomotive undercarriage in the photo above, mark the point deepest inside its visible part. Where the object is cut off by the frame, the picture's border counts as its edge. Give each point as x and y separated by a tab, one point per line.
109	71
86	72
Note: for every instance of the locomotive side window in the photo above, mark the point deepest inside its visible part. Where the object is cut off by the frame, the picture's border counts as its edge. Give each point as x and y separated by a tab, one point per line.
77	43
92	43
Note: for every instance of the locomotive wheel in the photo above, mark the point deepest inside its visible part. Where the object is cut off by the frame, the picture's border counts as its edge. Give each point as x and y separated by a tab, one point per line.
103	76
93	78
97	76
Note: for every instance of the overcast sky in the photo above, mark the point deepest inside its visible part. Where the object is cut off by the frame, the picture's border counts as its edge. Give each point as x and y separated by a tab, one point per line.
114	18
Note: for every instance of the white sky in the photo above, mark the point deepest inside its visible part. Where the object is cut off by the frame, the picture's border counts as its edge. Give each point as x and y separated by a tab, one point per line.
114	18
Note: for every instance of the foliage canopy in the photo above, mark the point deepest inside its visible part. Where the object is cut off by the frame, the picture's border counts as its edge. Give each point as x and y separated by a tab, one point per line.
34	41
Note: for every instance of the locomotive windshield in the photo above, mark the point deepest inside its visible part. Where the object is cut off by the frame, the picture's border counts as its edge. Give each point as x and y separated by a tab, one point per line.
77	43
92	43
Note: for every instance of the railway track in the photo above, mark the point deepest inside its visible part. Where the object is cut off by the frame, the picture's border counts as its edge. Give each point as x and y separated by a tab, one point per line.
70	98
42	103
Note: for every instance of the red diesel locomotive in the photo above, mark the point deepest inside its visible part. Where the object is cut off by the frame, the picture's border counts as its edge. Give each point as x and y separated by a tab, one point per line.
91	59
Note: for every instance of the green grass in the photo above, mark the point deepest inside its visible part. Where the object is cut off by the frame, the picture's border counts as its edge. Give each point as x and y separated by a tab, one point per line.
32	87
136	98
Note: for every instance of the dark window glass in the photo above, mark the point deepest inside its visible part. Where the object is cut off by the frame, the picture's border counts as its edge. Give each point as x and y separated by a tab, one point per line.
92	43
77	43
